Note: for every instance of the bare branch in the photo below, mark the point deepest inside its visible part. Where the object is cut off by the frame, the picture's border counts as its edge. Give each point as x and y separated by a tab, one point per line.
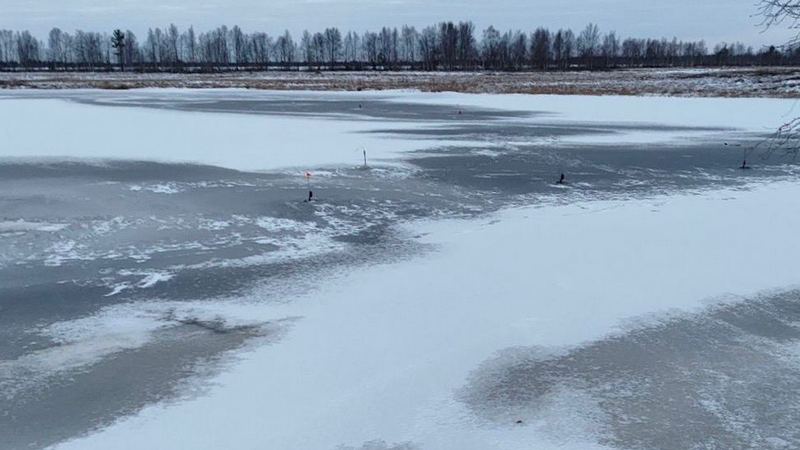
785	141
777	12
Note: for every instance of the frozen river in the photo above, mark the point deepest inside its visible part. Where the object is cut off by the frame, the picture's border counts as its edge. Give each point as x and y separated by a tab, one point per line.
161	276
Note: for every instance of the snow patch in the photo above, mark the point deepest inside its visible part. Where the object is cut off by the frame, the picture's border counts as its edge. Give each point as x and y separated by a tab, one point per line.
167	188
17	226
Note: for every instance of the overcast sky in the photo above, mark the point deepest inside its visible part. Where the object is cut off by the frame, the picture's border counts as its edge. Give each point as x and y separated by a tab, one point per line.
713	20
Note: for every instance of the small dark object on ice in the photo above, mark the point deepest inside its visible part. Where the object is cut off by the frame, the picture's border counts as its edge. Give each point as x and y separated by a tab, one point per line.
744	165
563	179
310	196
519	422
360	106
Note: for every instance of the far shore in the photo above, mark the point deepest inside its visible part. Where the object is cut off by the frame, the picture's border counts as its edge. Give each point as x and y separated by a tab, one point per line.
770	82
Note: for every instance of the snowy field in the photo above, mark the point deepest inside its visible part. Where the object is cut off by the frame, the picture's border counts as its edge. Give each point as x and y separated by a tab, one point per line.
163	285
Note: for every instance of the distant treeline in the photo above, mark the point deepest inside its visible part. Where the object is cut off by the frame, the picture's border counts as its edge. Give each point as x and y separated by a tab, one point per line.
447	46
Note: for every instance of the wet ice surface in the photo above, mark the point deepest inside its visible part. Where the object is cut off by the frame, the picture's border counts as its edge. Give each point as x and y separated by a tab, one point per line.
44	409
78	237
728	377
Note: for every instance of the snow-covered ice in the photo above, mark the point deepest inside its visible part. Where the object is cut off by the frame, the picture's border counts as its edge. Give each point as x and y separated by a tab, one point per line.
753	115
380	354
243	142
254	142
391	316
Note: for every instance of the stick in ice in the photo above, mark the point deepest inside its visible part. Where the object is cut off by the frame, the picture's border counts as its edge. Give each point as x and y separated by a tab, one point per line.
308	183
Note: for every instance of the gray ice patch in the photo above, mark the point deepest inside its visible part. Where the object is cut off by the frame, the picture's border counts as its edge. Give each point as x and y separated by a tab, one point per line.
727	377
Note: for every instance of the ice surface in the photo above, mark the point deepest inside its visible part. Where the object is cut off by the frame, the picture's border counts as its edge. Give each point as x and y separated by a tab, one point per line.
80	342
380	354
755	115
262	142
244	142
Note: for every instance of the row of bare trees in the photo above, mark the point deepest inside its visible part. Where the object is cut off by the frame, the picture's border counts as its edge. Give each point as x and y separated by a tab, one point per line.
446	46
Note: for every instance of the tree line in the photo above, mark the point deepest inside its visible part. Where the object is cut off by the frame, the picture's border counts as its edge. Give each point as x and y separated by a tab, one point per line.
446	46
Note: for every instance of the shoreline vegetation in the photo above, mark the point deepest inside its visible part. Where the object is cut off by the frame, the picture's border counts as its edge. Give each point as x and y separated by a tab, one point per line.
772	82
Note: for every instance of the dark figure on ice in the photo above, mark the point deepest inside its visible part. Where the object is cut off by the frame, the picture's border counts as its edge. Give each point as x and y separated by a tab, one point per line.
744	165
562	179
310	196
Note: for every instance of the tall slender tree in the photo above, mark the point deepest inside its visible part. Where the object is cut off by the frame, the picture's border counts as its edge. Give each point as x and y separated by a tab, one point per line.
118	42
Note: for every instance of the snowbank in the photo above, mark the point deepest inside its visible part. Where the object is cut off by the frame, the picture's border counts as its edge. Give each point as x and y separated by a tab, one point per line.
380	354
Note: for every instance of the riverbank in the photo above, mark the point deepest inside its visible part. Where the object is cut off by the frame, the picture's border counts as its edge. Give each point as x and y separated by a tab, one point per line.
777	82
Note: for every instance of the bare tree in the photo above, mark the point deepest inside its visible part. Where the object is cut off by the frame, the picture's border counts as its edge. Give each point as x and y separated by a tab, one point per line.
352	47
7	52
239	44
333	45
448	44
172	37
151	48
27	49
306	48
190	45
285	48
568	47
387	46
428	47
318	49
518	50
540	48
408	46
491	51
371	49
56	47
259	45
610	48
466	49
133	54
587	43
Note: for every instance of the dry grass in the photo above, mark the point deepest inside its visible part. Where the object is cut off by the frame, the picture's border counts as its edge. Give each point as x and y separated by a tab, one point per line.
738	82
